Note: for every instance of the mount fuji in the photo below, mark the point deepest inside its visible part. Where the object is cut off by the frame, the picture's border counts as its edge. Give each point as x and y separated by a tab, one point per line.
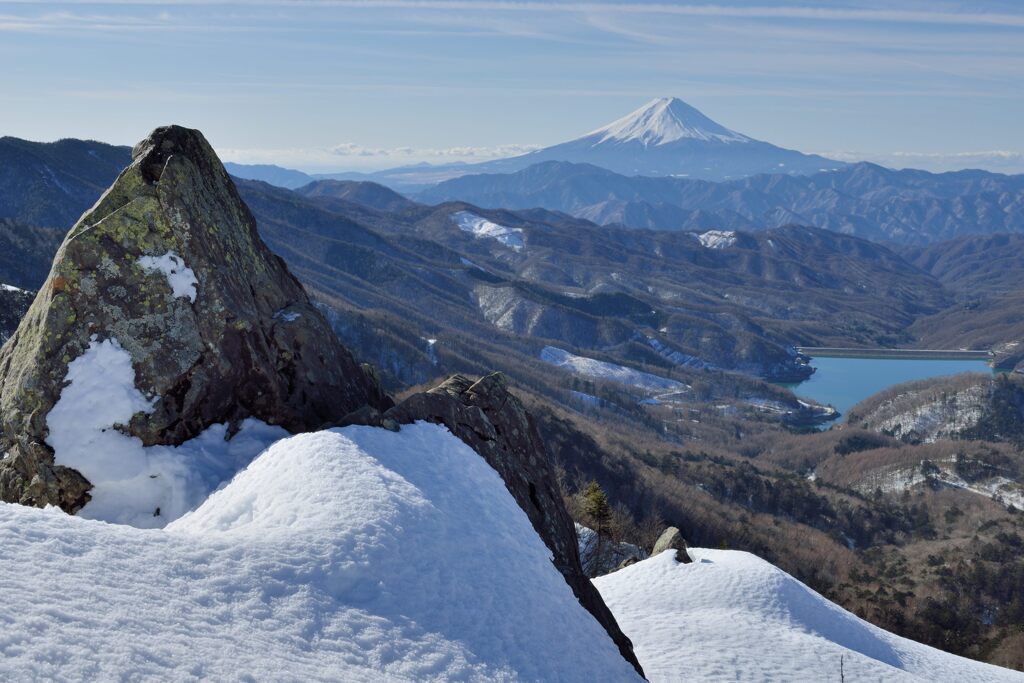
668	137
665	137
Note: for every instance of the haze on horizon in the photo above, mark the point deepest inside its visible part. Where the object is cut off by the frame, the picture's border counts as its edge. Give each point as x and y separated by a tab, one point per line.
327	85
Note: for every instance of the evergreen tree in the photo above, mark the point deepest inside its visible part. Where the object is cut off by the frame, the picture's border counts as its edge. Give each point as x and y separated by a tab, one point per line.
595	504
599	514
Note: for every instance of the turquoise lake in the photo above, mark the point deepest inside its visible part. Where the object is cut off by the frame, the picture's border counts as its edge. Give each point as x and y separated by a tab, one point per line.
845	382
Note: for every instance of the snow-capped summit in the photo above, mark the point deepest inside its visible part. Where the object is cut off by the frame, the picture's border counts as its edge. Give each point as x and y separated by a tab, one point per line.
664	120
668	137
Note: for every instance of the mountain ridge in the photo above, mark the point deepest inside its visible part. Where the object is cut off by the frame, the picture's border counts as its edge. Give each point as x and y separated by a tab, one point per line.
863	199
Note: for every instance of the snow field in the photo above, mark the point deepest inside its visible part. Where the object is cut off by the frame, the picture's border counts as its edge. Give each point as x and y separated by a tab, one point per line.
731	616
664	120
144	486
480	227
344	555
716	239
598	369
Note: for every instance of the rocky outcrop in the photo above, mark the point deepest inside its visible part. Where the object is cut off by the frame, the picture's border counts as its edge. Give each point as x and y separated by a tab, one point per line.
492	421
600	556
167	271
1008	356
168	263
672	538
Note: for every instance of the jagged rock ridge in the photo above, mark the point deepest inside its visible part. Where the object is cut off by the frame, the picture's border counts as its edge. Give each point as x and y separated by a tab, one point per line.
168	262
492	421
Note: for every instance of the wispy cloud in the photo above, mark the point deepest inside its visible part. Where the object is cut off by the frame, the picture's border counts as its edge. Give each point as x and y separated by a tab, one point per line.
1005	161
916	16
351	149
350	155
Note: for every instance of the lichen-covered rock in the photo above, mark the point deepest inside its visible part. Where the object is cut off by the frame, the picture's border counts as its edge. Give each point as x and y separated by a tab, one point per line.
492	421
168	263
672	538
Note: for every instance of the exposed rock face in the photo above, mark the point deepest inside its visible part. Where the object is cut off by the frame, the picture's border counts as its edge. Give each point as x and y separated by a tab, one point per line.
672	538
600	556
492	421
168	263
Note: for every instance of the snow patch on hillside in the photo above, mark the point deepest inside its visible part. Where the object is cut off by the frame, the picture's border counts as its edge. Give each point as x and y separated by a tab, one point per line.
677	357
716	239
599	369
480	227
180	278
144	486
930	414
354	554
896	479
731	616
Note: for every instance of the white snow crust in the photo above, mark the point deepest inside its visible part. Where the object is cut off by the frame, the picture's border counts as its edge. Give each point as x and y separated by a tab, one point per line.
599	369
716	239
144	486
354	554
480	227
664	120
287	316
731	616
180	278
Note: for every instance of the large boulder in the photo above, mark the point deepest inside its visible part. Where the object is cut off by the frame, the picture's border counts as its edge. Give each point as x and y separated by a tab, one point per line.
168	265
672	539
491	420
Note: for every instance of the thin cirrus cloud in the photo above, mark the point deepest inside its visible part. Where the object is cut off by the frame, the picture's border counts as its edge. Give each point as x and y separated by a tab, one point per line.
349	154
1001	19
415	80
1004	161
723	10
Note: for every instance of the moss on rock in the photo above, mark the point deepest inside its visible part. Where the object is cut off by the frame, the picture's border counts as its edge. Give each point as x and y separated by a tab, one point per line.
222	358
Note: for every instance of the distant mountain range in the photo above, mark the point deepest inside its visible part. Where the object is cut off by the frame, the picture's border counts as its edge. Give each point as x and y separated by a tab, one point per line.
51	183
665	137
495	287
269	173
869	201
668	137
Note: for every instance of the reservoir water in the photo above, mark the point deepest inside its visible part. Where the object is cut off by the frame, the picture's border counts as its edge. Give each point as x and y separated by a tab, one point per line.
845	382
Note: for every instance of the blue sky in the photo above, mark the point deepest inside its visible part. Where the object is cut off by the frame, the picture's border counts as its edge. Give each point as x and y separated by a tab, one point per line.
334	84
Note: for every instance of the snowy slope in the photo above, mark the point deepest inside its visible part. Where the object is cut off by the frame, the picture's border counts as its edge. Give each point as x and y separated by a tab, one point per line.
716	239
599	369
664	120
731	616
345	555
481	228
